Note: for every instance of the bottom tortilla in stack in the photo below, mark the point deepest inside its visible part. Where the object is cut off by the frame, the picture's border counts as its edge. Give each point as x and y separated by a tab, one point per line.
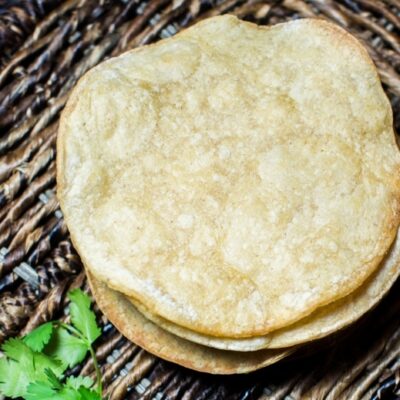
156	340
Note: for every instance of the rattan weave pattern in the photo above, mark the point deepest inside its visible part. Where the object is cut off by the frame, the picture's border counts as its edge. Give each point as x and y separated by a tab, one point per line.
45	46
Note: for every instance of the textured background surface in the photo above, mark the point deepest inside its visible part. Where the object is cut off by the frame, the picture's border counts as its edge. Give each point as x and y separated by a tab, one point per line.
45	46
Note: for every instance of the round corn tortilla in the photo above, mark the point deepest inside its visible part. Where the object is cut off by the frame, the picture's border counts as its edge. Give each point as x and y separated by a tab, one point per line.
135	327
233	178
320	323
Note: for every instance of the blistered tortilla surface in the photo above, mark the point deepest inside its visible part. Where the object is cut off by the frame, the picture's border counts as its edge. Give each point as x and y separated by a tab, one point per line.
232	178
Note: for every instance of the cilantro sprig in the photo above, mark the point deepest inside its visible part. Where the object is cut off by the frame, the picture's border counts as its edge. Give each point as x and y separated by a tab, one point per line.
33	367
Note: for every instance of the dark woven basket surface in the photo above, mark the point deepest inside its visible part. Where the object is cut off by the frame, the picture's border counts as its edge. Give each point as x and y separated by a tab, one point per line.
45	46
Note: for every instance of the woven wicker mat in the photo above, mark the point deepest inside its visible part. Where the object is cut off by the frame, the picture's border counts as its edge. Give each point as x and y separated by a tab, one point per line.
45	46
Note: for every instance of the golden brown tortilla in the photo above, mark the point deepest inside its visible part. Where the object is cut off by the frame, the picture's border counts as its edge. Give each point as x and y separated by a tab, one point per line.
233	178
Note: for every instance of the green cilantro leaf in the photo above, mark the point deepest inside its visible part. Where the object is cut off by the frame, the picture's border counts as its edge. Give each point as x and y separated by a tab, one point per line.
79	381
87	394
45	391
43	362
33	366
39	337
17	350
75	388
67	348
16	371
22	366
13	378
52	379
40	391
81	315
68	394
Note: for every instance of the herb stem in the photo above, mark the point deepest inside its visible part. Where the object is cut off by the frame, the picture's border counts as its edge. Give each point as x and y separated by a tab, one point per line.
97	369
72	330
92	354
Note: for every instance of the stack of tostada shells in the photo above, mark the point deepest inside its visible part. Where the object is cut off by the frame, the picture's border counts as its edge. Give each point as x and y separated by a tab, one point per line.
233	191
